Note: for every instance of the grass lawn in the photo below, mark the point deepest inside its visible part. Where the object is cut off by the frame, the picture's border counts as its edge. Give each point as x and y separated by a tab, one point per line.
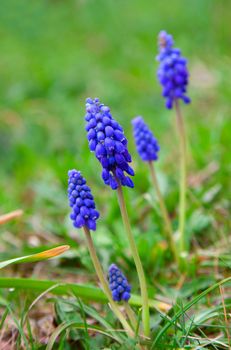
55	54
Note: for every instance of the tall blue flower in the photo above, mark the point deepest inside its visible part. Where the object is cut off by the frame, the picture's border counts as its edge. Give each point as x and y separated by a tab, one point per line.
146	144
172	73
81	201
106	138
118	283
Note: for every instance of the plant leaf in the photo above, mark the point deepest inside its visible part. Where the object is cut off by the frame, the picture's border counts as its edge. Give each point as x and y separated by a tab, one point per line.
46	254
10	216
63	326
185	308
81	290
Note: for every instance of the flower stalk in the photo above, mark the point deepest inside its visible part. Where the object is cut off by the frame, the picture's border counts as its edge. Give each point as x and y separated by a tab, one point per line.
183	184
104	283
131	315
173	75
85	215
139	267
168	226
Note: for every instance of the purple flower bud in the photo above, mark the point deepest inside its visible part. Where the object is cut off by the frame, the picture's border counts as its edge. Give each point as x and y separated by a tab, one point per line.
109	131
91	224
109	144
91	134
100	151
81	201
92	145
100	136
118	284
105	174
113	183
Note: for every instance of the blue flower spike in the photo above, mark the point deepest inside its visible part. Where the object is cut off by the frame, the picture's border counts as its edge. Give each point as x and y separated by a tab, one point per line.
108	142
81	201
146	144
173	72
118	283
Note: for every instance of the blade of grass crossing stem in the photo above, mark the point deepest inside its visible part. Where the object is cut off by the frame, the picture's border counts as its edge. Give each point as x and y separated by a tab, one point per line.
87	337
64	326
83	291
103	281
138	322
40	296
96	316
185	337
185	308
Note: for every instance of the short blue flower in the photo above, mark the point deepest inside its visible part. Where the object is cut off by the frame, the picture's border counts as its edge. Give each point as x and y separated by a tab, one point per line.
106	138
172	73
81	201
118	283
146	144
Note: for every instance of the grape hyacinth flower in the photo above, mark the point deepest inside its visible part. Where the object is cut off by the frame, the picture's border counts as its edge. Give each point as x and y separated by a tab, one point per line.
106	138
148	148
81	201
172	73
146	144
119	285
85	215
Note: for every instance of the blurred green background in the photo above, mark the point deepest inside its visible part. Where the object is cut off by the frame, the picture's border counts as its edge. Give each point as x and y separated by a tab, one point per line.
54	54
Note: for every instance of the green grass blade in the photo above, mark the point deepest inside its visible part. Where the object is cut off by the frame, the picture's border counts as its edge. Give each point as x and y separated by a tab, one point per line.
95	315
82	291
44	255
185	308
20	329
39	297
63	326
208	314
4	315
83	315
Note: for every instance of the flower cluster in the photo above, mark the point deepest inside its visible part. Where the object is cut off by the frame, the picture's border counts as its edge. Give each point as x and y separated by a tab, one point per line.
119	285
106	138
146	144
172	73
81	201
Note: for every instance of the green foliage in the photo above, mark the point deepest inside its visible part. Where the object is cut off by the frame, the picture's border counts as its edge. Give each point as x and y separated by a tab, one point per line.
44	255
53	55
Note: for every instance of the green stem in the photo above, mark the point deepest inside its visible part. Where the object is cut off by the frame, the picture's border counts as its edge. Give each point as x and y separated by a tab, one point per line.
131	315
168	226
182	137
139	267
104	282
133	320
